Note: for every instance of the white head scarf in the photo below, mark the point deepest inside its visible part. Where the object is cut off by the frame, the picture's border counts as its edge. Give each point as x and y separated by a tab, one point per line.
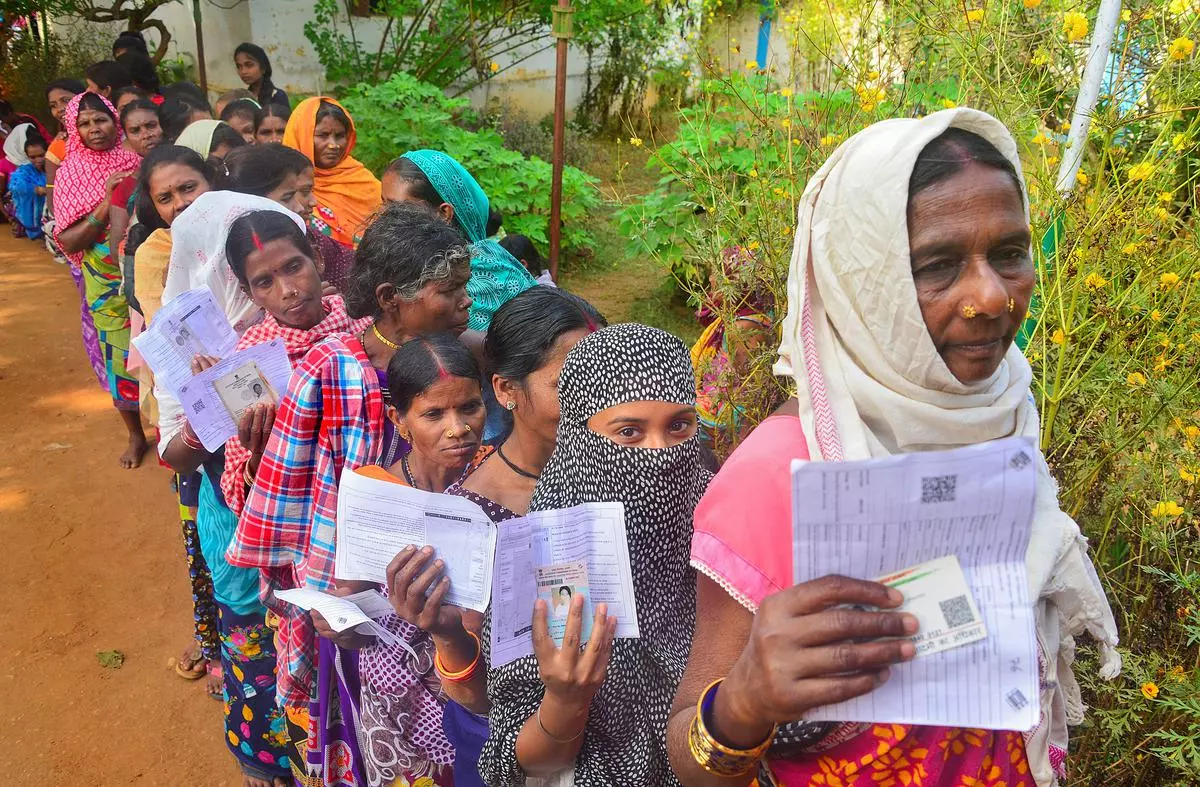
870	381
14	145
198	252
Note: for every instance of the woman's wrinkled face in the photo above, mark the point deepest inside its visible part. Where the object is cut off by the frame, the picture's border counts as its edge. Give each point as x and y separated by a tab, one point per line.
286	282
439	306
295	192
58	100
249	70
646	424
536	397
97	129
969	243
143	130
329	142
444	422
270	130
173	187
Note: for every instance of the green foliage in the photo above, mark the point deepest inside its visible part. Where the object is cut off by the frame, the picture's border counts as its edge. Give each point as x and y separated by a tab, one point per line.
407	114
33	63
1116	348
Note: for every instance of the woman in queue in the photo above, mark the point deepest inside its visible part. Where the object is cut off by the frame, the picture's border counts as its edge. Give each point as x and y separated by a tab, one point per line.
410	278
898	339
346	191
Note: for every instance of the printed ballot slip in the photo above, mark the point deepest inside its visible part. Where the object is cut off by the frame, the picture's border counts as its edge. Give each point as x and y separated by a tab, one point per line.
937	594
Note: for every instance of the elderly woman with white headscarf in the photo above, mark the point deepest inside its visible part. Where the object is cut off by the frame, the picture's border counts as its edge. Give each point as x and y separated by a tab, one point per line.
910	276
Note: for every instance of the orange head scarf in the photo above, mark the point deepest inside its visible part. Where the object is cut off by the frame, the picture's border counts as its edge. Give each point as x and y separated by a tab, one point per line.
348	190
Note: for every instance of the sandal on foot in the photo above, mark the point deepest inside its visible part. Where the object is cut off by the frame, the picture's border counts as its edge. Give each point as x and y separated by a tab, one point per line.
192	666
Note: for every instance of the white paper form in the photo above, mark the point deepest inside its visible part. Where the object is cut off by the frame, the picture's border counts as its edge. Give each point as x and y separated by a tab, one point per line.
207	414
356	611
376	519
868	518
189	325
593	533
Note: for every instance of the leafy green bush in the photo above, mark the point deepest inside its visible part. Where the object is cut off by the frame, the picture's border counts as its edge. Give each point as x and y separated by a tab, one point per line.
405	114
1116	346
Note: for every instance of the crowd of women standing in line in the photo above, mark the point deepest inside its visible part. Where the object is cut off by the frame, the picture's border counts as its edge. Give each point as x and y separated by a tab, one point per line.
425	354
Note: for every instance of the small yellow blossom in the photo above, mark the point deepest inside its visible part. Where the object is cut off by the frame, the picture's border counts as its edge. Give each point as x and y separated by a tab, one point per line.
1064	126
1179	142
1130	248
493	66
1126	15
1032	4
754	173
1178	7
1168	280
785	123
1082	178
751	65
1187	476
872	76
1040	139
1149	690
1166	508
1136	379
1162	214
752	245
1156	315
1052	160
1191	432
786	92
1075	26
829	140
975	15
948	104
1176	672
1094	281
1141	171
1040	58
635	141
1058	337
1161	363
1181	48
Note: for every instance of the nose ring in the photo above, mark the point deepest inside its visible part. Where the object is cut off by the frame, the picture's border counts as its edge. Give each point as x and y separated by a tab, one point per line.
969	312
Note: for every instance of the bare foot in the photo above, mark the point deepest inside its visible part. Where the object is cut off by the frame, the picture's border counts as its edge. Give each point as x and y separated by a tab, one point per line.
254	781
214	684
134	452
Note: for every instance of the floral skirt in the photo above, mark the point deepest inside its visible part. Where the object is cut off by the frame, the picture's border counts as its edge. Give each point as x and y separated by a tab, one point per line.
204	606
255	726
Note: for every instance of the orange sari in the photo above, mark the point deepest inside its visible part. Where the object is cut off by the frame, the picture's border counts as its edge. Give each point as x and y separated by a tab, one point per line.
349	191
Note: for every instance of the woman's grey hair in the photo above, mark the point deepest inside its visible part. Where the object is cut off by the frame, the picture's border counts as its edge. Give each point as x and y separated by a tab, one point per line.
406	246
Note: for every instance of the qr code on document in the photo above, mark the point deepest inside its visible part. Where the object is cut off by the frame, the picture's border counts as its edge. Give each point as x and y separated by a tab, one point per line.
198	406
957	611
1019	460
1016	699
939	489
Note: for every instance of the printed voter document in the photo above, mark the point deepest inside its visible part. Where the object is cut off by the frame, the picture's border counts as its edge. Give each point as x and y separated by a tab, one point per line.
949	529
376	519
215	399
584	548
357	611
189	325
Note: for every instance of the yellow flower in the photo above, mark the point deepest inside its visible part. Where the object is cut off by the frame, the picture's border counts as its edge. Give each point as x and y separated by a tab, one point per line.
493	66
1094	281
635	141
1181	48
751	65
1082	178
1156	315
1187	475
1179	142
1178	7
829	140
1052	160
1161	363
1141	171
1168	280
1163	214
754	173
1136	379
1191	432
948	104
1149	690
1176	672
975	15
1130	248
752	245
1166	508
786	123
1058	337
1040	58
1064	126
1032	4
1126	15
786	92
1040	139
1075	25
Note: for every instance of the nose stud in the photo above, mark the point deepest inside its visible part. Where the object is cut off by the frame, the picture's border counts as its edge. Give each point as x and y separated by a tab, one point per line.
969	312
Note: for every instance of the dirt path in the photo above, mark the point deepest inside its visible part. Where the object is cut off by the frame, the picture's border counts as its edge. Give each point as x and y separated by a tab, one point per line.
91	559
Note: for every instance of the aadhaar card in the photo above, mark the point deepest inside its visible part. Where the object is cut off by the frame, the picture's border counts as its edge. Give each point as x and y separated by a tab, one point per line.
938	595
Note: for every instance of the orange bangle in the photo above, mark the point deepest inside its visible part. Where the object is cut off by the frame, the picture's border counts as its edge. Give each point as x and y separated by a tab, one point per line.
464	674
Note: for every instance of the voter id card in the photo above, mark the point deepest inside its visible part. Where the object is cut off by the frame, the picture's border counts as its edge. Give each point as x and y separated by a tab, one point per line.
938	595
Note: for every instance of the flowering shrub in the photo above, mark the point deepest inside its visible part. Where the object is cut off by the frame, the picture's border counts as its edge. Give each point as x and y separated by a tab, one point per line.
1115	341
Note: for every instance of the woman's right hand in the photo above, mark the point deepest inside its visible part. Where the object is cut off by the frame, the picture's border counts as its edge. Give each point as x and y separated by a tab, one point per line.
571	676
809	648
111	184
409	576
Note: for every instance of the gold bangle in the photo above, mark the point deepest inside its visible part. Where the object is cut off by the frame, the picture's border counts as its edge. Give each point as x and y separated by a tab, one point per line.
546	732
712	755
247	476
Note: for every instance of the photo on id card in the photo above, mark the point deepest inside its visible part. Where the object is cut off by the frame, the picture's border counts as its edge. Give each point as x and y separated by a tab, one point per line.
558	585
243	388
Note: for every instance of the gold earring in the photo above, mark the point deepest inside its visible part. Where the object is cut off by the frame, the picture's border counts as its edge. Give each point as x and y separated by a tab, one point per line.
969	312
468	427
1012	305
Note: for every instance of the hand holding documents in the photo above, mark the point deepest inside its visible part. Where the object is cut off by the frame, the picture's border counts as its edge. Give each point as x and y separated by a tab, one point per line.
949	529
358	611
189	325
215	399
583	549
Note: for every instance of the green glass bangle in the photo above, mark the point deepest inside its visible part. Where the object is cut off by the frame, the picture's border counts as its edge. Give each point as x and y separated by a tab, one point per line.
95	222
